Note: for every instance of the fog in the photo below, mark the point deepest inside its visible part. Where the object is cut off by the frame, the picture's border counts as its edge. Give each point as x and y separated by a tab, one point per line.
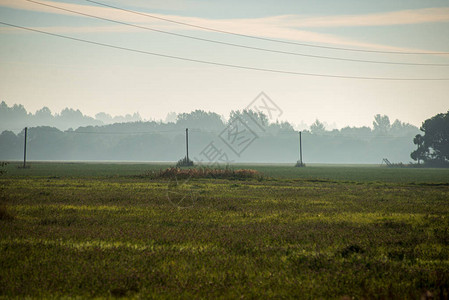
246	136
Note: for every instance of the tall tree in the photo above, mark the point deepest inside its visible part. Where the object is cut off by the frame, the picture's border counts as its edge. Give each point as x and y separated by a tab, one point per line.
381	123
317	127
420	153
254	119
433	146
200	119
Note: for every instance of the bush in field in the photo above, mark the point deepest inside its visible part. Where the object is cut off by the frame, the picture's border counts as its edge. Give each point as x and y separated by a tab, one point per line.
3	164
5	215
205	173
184	162
300	164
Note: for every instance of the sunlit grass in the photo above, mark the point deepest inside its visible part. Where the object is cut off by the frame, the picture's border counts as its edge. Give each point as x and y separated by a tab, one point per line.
107	245
114	236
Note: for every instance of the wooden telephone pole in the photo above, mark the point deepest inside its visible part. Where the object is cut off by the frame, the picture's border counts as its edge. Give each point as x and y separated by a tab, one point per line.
187	144
25	149
299	163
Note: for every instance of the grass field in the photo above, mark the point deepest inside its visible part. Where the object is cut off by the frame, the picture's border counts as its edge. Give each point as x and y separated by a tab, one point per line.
101	230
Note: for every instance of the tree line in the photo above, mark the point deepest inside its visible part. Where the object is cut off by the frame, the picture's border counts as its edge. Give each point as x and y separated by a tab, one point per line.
268	141
16	117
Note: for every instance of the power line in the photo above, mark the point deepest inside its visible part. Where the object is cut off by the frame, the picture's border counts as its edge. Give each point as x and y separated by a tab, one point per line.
236	45
261	38
222	64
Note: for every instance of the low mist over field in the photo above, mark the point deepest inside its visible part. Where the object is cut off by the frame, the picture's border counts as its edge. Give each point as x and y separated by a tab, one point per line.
138	140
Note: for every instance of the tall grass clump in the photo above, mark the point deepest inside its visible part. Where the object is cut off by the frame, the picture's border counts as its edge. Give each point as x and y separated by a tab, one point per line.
205	173
3	165
184	162
299	164
5	215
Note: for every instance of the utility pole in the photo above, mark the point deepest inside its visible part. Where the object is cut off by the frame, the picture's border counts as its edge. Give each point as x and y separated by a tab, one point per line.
187	143
300	149
25	149
299	163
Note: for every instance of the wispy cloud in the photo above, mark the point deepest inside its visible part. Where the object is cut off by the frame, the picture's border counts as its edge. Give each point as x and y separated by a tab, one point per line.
404	17
173	5
289	27
103	12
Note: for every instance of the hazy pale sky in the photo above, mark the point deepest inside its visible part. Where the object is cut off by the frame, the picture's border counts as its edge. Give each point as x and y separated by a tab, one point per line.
39	70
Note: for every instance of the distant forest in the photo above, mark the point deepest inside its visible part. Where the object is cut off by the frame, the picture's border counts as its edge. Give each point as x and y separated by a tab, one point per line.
247	136
16	117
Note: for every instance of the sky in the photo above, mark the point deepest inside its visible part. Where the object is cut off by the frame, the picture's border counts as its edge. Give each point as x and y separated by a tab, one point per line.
401	48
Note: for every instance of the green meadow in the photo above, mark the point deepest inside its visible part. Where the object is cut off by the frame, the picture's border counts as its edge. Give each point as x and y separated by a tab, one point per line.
108	230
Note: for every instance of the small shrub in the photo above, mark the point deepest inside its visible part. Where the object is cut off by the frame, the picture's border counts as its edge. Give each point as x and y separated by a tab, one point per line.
299	164
3	165
184	162
125	286
351	249
5	215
